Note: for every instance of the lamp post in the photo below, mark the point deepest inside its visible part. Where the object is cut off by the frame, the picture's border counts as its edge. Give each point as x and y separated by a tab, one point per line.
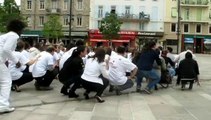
178	25
70	21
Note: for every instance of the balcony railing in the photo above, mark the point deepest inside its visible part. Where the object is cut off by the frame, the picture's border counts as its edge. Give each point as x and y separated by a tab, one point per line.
53	10
195	3
195	20
133	17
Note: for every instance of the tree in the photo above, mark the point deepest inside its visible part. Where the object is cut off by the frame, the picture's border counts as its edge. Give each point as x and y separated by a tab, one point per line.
53	28
9	11
110	26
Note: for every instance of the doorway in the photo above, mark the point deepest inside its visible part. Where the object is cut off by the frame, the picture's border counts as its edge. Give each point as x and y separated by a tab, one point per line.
198	45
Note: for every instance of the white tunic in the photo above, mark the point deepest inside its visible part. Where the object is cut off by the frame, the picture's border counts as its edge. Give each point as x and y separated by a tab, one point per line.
41	66
65	57
8	44
93	69
118	66
16	73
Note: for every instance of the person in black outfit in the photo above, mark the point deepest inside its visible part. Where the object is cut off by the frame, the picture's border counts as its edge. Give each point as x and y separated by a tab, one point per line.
72	71
188	69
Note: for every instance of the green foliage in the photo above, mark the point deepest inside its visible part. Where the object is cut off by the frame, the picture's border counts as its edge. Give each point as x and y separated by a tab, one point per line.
110	26
53	27
8	11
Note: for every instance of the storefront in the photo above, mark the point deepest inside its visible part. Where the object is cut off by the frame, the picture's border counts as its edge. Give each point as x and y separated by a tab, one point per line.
198	43
127	38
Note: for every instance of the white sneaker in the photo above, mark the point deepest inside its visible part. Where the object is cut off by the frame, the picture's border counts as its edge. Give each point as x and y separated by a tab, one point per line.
7	110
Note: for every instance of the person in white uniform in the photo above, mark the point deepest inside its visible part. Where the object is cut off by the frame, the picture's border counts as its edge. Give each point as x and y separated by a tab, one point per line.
8	43
118	66
43	70
20	75
95	75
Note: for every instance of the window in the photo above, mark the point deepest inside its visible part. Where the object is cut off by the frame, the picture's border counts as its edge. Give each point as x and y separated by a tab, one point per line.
29	20
65	4
141	26
127	10
29	5
113	9
66	20
187	11
173	12
186	28
198	28
100	11
79	21
54	4
173	27
154	13
42	4
99	24
41	21
80	5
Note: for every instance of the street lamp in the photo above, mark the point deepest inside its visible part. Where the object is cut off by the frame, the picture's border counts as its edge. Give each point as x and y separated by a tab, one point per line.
178	25
70	22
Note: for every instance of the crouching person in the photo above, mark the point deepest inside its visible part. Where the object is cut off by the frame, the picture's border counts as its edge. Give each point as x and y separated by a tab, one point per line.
43	70
72	71
95	75
118	66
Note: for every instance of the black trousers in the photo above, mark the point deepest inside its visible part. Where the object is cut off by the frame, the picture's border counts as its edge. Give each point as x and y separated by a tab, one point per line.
47	79
99	88
75	80
25	78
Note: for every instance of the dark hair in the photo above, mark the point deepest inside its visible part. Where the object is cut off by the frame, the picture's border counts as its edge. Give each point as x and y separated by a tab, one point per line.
188	55
20	46
169	49
108	50
16	26
69	46
79	42
78	51
99	54
50	49
148	46
121	49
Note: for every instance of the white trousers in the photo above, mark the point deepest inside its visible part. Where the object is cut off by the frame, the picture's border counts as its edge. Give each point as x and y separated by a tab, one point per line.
5	86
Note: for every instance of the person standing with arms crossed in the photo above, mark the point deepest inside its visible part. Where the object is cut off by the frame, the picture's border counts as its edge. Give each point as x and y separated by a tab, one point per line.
8	43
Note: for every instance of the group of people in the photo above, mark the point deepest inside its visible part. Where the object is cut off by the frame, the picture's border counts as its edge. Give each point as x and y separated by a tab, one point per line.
78	66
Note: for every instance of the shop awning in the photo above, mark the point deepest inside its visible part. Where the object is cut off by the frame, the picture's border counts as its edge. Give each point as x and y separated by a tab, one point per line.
103	40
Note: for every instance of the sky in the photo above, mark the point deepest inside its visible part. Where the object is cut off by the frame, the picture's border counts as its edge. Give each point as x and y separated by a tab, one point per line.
17	1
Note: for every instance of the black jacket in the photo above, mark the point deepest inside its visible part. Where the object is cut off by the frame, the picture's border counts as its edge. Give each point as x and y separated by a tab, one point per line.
188	68
72	67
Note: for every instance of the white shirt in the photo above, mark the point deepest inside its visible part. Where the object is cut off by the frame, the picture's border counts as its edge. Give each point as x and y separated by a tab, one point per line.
16	73
8	44
41	66
65	57
118	66
26	54
93	69
33	52
181	56
171	56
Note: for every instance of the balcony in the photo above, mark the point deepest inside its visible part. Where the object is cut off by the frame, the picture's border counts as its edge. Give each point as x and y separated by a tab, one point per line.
195	3
195	20
53	11
141	17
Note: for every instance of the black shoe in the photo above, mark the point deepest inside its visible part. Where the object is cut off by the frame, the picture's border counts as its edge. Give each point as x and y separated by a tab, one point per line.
64	90
72	94
118	92
111	88
190	86
86	95
156	87
15	88
99	99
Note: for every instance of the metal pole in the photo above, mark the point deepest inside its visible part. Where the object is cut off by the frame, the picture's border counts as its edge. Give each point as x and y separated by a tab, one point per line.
70	21
178	25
